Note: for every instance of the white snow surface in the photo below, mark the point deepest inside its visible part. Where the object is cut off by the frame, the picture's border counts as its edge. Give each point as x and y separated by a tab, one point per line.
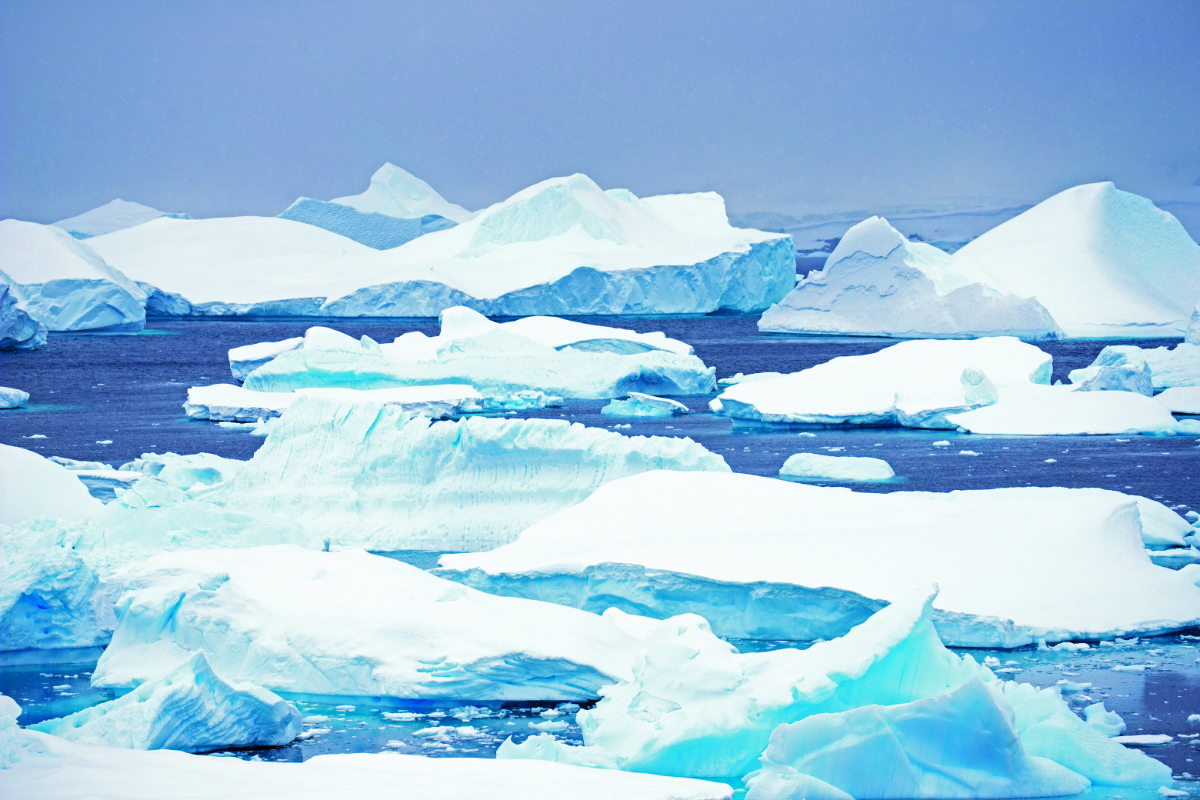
191	708
1105	263
876	282
1180	400
34	487
18	330
838	468
1169	367
389	480
64	284
797	534
697	707
46	767
1035	410
915	383
114	215
560	246
398	193
353	624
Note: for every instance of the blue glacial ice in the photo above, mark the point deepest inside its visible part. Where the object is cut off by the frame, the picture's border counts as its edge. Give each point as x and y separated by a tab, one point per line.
810	562
390	480
496	359
638	404
696	707
190	708
878	283
277	617
815	466
230	403
64	284
18	330
379	231
12	398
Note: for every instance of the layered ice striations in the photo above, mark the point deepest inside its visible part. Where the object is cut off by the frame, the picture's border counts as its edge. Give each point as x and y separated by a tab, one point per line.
811	562
190	708
389	480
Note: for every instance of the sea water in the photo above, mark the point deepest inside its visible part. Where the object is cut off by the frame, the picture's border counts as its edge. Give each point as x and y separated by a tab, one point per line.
113	398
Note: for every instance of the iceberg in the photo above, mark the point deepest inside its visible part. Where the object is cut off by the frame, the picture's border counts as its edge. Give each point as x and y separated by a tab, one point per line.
810	562
39	766
12	398
223	401
1167	367
878	283
644	405
35	487
190	708
351	624
375	230
563	246
837	468
1105	263
395	192
18	330
696	707
1065	411
917	383
555	356
389	480
249	357
114	215
64	284
1180	400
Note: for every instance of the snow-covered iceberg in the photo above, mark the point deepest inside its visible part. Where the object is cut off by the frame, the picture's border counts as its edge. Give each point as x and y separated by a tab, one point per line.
1105	263
563	246
1036	410
389	480
353	624
18	330
395	192
378	231
36	487
916	383
878	283
114	215
1180	400
1192	336
12	398
638	404
810	562
64	284
44	767
1167	367
555	356
814	466
190	708
696	707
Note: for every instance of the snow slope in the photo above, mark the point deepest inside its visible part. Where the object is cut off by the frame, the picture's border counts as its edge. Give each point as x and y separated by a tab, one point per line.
112	216
395	192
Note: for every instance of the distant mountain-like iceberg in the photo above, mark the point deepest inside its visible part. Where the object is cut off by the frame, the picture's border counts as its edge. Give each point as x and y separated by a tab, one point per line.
395	192
114	215
562	246
1091	262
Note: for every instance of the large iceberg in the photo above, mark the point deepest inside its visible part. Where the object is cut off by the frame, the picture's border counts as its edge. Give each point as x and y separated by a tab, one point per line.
64	284
190	708
878	283
18	330
388	480
378	231
563	246
350	624
696	707
114	215
555	356
916	384
1036	410
395	192
810	562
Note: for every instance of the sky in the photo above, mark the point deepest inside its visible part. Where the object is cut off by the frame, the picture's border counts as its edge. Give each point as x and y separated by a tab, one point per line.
227	108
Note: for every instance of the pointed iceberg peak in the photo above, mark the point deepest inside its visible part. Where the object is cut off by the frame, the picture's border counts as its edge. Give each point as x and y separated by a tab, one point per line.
874	236
396	192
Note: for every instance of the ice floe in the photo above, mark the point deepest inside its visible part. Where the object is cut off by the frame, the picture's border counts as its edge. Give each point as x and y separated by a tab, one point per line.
815	466
12	398
18	330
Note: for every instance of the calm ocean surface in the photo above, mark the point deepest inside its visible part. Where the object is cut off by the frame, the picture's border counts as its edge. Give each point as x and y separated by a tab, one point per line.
112	398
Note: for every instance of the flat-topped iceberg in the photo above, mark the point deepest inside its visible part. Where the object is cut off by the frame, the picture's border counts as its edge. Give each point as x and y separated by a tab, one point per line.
915	384
114	215
389	480
814	466
353	624
555	356
696	707
878	283
563	246
190	708
810	562
395	192
64	284
1035	410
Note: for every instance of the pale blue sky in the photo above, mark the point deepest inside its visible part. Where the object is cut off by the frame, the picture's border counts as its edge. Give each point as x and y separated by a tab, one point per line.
221	108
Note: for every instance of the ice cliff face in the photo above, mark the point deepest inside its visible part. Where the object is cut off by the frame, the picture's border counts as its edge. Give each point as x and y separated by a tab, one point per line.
65	285
18	331
114	215
395	192
379	231
878	283
391	481
190	708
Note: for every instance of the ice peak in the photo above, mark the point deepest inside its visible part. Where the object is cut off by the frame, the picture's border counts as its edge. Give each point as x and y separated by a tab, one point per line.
874	236
396	192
